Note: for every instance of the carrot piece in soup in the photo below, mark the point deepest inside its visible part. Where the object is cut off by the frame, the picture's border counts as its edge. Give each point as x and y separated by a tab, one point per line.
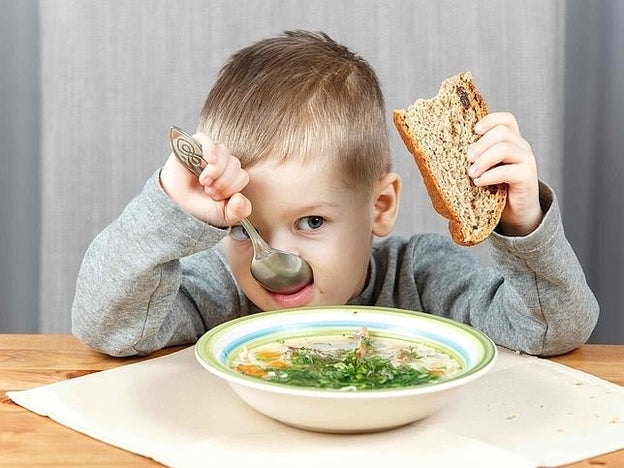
249	369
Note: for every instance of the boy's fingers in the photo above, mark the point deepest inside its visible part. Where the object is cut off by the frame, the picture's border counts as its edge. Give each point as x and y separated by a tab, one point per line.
228	184
205	142
495	136
493	156
236	208
503	153
494	119
497	175
217	164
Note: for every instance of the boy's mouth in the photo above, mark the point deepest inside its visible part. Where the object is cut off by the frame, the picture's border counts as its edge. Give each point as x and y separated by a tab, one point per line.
295	299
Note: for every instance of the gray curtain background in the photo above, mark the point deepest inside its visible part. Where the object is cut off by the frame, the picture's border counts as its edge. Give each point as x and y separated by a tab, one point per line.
593	169
89	90
20	159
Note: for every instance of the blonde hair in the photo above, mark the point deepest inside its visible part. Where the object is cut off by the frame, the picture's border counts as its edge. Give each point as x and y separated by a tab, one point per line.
301	95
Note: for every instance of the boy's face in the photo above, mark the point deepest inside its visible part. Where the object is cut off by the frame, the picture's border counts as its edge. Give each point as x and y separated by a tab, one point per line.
306	210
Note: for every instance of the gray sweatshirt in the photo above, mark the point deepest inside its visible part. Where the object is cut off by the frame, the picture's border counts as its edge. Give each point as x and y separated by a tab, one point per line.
157	277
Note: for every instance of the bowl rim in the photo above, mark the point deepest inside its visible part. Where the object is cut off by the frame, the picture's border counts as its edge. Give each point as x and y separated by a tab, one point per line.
214	365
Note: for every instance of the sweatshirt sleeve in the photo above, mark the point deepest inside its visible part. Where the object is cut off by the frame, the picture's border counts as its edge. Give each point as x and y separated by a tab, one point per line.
137	287
534	297
560	310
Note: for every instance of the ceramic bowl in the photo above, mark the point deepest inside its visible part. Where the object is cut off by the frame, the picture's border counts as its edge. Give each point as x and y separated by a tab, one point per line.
339	411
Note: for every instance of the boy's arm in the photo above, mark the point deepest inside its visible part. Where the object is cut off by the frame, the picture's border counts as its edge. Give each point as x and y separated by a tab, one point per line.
534	299
530	247
549	280
131	296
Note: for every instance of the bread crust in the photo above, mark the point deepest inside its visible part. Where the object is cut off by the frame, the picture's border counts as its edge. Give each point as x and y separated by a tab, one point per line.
469	97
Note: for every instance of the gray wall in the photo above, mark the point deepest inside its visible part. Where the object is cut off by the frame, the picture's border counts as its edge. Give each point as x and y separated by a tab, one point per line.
594	145
20	187
116	74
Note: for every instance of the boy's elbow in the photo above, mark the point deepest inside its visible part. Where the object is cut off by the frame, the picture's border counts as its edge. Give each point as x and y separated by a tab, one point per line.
99	337
102	343
571	333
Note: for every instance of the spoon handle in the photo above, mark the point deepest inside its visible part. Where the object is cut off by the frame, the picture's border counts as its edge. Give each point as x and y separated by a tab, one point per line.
189	153
187	150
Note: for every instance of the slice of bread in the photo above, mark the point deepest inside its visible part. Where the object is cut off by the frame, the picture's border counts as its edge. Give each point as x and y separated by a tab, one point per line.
438	132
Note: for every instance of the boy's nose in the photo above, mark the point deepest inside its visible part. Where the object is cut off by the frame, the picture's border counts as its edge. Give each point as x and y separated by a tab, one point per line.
281	241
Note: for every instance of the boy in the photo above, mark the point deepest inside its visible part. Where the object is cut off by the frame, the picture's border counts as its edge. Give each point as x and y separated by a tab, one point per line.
302	137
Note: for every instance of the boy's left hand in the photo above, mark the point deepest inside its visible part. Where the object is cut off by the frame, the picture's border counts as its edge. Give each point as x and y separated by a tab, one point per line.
501	155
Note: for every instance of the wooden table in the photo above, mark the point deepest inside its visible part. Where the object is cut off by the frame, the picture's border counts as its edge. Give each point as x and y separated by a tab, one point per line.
27	439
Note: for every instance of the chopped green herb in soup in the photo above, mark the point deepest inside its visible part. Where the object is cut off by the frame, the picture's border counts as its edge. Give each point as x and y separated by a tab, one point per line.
356	362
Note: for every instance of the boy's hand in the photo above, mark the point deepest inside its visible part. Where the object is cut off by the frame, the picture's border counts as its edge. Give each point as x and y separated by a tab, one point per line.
501	155
215	197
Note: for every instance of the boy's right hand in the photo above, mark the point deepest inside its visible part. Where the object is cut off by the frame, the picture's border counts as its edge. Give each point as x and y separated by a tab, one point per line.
215	197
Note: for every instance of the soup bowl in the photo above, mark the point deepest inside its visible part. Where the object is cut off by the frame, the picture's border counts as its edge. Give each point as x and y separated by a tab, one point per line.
347	408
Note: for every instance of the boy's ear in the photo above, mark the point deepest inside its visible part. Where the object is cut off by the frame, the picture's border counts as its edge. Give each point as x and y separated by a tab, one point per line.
386	203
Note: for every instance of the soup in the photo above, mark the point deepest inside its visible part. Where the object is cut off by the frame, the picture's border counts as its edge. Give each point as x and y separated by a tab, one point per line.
347	361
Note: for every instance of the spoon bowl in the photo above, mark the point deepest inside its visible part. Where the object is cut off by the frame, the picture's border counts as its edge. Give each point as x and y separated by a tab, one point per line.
278	271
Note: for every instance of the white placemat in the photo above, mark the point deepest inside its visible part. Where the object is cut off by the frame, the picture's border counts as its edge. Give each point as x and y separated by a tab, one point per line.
526	412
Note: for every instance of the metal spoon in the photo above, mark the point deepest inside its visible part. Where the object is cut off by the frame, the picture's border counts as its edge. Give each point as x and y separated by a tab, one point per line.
276	270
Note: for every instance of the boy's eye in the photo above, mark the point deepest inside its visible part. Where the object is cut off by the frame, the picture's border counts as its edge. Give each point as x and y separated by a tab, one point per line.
310	223
238	232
